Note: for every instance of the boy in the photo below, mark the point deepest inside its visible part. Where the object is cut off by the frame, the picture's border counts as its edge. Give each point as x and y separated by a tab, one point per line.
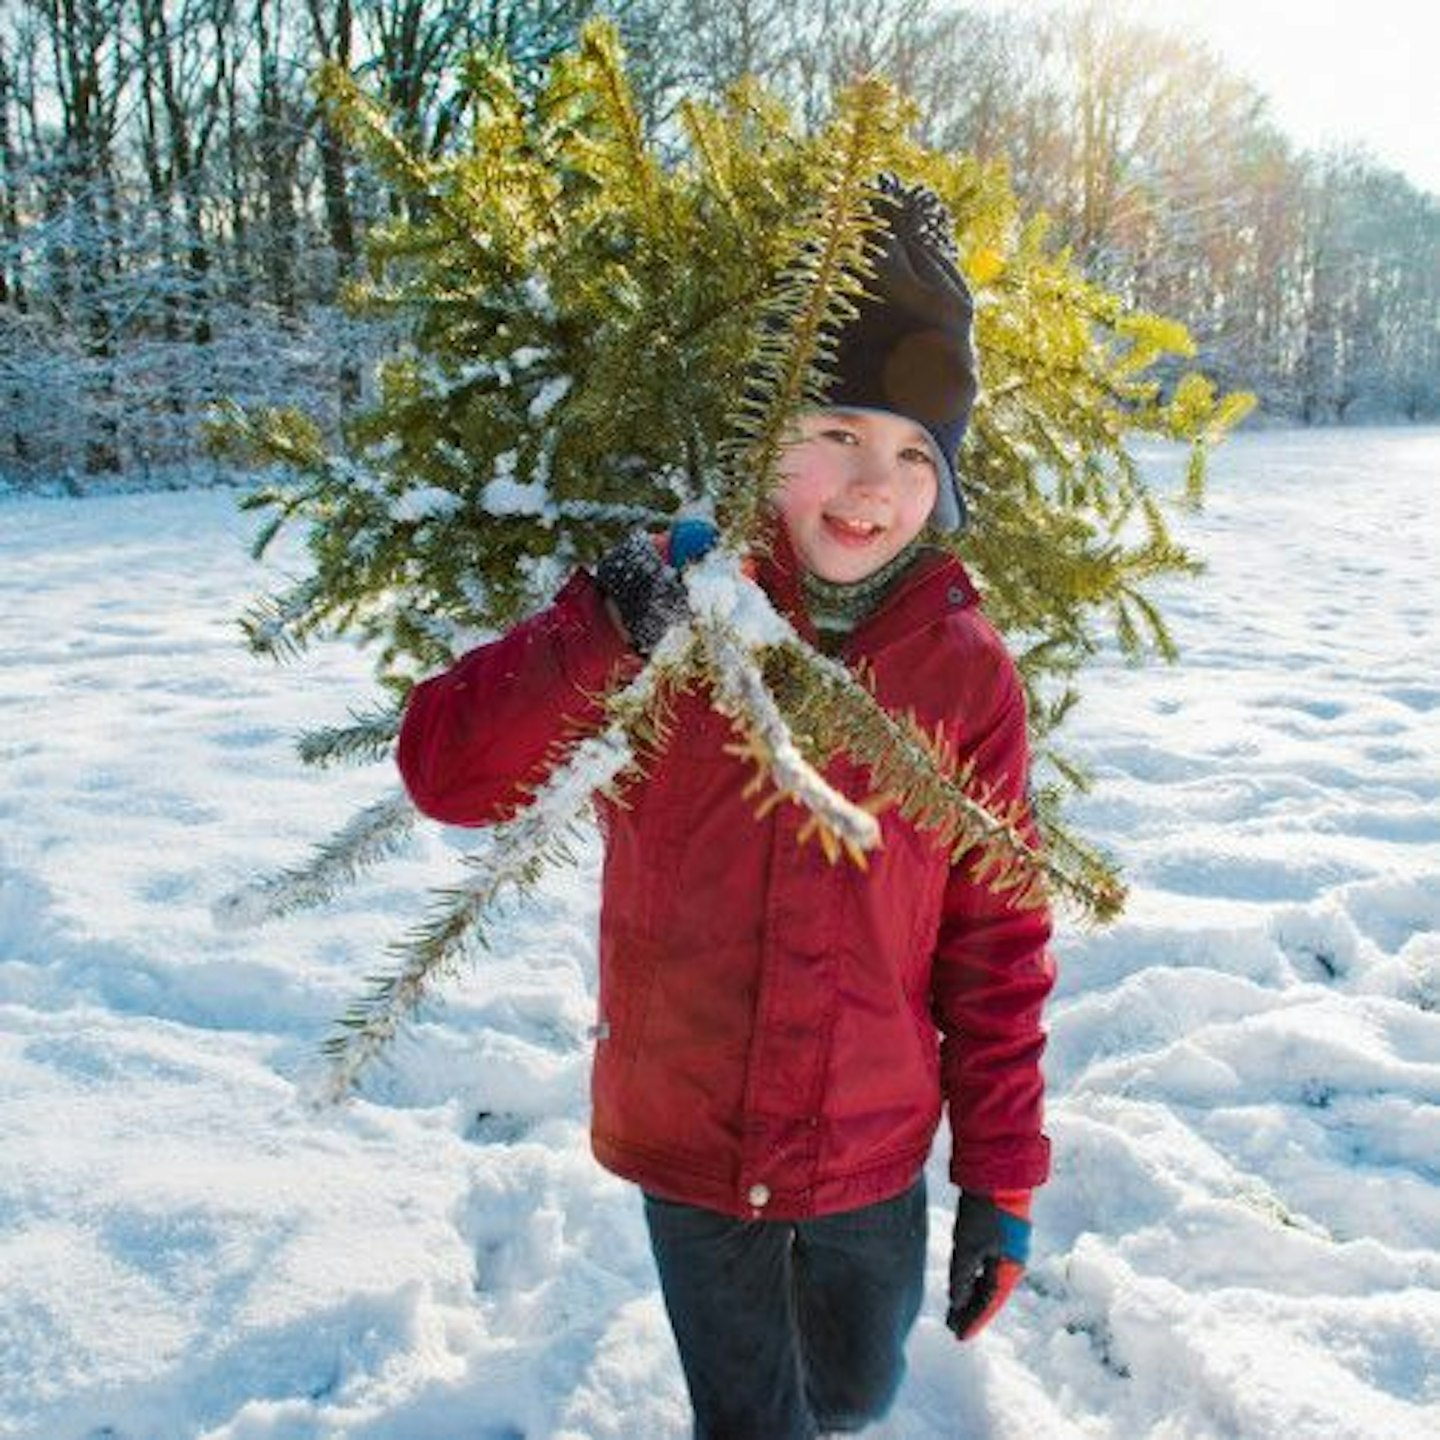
777	1033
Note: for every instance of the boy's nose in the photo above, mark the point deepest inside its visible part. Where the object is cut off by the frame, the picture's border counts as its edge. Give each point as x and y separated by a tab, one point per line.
871	471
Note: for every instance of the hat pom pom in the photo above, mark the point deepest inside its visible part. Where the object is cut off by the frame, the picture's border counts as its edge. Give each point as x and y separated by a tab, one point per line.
918	214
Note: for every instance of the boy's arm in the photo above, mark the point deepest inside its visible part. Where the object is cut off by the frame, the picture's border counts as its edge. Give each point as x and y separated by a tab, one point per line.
477	738
992	975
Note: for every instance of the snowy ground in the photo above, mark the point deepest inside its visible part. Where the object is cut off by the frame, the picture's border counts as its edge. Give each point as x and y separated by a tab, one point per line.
1242	1238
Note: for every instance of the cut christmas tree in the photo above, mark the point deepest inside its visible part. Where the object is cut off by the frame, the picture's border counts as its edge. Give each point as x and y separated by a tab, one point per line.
604	332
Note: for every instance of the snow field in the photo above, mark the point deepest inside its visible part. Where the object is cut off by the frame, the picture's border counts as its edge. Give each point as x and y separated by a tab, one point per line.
1242	1236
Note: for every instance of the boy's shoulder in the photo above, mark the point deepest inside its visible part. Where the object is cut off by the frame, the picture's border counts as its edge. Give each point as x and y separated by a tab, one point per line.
972	644
935	640
942	590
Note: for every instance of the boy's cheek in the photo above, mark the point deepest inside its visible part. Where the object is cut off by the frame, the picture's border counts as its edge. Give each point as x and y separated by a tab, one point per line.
794	526
799	494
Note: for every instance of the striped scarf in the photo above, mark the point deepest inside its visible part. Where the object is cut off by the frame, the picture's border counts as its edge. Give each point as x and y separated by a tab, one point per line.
836	609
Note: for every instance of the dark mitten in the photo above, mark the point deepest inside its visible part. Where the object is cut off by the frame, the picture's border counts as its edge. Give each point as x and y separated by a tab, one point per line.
649	595
647	591
992	1245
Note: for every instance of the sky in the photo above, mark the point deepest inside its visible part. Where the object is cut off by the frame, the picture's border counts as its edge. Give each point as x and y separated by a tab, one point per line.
1333	71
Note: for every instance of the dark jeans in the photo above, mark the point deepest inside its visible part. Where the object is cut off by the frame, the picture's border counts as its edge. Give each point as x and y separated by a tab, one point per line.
787	1328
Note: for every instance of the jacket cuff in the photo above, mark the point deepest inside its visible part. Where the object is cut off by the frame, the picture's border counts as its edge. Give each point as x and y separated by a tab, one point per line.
1013	1165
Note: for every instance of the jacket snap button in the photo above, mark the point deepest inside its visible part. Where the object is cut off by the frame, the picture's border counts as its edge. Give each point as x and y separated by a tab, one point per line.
759	1196
957	595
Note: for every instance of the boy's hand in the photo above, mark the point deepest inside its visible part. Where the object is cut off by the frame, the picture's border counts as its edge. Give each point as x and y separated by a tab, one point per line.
992	1244
647	594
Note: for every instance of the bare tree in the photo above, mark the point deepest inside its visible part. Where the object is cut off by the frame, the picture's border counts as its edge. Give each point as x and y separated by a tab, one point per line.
177	216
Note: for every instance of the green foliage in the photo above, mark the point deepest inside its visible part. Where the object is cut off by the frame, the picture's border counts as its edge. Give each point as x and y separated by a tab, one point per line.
1069	537
582	319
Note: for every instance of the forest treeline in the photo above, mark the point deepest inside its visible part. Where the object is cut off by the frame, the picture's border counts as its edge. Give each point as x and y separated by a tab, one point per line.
178	220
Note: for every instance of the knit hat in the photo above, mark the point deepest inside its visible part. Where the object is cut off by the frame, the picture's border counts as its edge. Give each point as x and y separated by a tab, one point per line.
909	349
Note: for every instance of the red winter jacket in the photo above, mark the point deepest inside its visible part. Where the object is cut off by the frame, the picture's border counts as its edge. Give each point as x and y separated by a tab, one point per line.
776	1031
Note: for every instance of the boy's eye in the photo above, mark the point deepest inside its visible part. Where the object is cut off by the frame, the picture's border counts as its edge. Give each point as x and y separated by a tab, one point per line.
840	435
919	455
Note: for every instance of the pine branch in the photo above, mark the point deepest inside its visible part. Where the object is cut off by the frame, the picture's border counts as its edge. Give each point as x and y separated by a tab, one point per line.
279	626
365	123
372	835
369	738
520	852
612	514
821	697
600	52
706	134
507	141
1070	851
740	692
270	435
809	695
808	307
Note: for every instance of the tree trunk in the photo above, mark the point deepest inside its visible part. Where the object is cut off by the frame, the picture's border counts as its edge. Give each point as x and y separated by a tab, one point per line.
277	149
336	43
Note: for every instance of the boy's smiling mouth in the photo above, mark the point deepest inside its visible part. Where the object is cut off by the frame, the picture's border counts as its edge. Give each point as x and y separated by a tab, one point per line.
851	529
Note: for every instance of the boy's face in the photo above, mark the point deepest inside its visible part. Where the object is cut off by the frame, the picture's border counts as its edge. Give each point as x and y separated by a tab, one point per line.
859	487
